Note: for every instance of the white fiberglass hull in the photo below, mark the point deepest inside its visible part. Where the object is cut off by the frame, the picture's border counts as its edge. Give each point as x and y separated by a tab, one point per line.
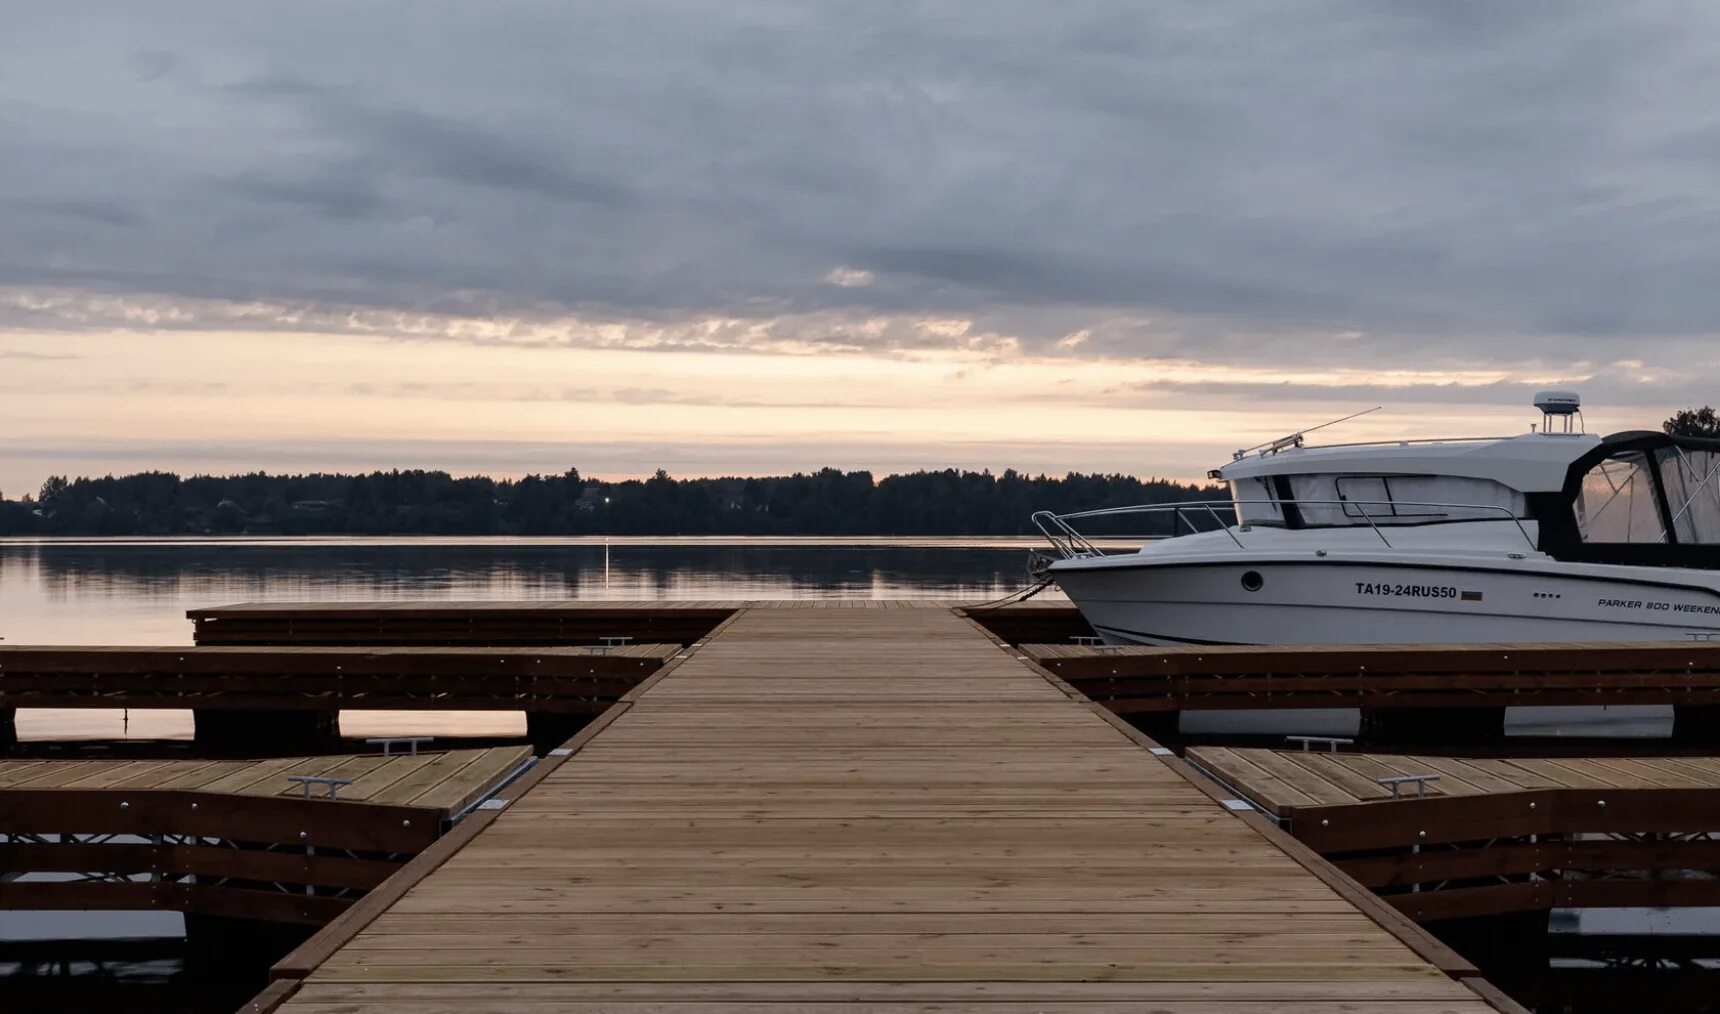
1191	600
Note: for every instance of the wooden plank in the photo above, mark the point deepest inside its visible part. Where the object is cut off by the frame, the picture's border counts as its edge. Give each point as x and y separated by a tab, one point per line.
475	780
1355	774
271	998
1234	768
1297	777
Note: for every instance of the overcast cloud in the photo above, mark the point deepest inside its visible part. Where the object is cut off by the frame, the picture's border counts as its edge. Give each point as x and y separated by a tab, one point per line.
1447	172
1527	188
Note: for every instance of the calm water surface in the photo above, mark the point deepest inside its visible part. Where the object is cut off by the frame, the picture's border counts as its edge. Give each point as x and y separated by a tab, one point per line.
137	592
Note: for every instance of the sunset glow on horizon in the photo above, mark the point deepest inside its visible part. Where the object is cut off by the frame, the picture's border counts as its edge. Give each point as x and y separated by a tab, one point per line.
233	401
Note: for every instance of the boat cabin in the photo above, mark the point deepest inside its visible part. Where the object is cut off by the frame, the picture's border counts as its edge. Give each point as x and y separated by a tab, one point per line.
1638	498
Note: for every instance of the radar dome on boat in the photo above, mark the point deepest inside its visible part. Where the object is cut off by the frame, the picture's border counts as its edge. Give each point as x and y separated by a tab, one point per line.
1558	402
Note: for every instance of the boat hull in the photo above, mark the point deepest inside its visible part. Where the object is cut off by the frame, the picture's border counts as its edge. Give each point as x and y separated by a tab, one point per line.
1333	601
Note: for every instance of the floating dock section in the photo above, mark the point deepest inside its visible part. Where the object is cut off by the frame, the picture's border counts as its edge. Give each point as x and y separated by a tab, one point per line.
877	809
1447	838
487	624
1405	692
284	840
281	699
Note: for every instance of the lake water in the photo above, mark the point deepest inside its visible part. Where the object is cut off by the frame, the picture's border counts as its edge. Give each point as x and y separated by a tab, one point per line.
118	592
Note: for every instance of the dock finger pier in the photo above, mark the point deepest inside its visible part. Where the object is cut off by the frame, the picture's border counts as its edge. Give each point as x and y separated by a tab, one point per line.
877	807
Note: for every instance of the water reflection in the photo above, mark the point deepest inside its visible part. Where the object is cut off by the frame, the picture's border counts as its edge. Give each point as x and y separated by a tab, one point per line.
137	592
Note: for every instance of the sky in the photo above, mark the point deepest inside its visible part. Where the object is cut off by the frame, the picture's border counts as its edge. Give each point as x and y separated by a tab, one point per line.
757	237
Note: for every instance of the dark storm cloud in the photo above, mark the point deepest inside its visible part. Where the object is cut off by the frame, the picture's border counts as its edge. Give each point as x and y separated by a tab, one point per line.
1475	180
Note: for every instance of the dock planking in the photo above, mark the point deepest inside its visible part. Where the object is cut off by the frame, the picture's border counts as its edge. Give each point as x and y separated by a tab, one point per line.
1285	781
1492	836
227	837
869	809
577	679
442	780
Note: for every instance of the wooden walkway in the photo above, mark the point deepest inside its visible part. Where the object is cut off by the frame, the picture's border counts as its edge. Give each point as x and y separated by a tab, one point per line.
870	810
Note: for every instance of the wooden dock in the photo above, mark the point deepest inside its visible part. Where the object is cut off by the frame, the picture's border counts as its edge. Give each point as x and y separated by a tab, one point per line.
876	810
1140	680
287	698
239	839
559	622
487	624
582	680
443	780
1467	837
1405	692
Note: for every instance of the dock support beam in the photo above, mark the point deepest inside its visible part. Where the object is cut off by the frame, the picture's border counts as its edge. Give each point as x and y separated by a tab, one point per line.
548	730
261	732
1433	725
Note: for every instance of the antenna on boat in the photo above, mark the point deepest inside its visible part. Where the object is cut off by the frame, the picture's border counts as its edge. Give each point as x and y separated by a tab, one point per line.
1295	439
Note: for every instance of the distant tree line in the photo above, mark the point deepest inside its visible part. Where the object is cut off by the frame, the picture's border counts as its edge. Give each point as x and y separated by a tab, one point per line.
826	502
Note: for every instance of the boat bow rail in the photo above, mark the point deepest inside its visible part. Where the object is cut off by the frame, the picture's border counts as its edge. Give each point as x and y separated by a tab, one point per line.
1070	543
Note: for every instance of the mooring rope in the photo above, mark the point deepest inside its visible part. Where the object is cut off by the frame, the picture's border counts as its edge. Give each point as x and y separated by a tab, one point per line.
1019	595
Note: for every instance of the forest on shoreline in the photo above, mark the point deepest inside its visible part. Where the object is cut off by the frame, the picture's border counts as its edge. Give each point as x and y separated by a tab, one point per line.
826	502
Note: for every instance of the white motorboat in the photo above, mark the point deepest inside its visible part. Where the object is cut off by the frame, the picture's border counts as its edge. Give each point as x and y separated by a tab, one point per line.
1552	535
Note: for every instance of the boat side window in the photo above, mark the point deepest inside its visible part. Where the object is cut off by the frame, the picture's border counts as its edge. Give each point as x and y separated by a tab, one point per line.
1357	500
1619	502
1381	497
1457	498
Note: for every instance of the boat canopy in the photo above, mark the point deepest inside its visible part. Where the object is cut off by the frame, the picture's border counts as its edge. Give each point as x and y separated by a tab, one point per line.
1646	488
